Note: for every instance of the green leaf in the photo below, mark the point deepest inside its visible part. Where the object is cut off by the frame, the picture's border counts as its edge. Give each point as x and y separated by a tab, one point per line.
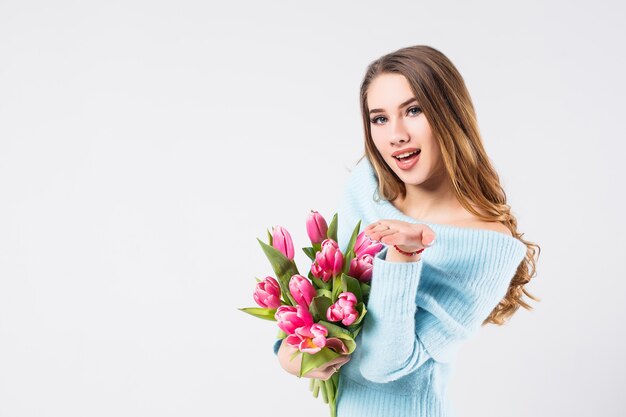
318	307
310	252
350	255
318	282
355	233
352	285
270	239
365	291
339	332
294	354
324	292
332	229
335	330
337	287
262	313
312	361
283	267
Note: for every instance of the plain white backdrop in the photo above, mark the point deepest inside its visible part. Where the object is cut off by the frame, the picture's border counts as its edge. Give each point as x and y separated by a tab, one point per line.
146	145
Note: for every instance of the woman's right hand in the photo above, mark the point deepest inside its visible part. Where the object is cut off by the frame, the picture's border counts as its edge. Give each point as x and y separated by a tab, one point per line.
323	372
408	236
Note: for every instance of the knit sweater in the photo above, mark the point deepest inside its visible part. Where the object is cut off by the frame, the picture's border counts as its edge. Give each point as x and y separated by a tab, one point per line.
418	313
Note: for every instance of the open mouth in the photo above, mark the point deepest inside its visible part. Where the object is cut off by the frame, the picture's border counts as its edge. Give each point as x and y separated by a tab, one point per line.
407	156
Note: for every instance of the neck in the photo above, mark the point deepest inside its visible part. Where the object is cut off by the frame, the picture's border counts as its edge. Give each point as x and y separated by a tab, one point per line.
433	201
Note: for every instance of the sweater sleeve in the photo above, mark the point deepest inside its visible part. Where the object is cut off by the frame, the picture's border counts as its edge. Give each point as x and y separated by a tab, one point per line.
276	346
408	323
390	346
389	321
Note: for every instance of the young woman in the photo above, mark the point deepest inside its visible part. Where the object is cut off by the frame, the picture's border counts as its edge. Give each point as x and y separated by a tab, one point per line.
453	258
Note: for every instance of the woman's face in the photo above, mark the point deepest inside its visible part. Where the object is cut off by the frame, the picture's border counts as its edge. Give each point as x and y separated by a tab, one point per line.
397	123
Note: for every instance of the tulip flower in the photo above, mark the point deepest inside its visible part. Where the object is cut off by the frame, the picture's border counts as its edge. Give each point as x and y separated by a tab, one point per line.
267	293
290	318
310	339
302	290
343	309
281	240
316	227
363	245
328	261
361	267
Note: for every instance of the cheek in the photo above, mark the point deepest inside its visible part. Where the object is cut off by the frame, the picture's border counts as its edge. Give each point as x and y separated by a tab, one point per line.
378	140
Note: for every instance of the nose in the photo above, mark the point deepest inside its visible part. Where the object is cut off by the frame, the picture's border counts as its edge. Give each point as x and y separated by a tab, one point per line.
399	134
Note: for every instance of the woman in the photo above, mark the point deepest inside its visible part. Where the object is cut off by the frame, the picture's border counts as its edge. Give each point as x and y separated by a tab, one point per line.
453	257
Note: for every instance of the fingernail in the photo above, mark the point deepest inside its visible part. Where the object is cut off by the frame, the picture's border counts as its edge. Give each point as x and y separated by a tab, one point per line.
431	243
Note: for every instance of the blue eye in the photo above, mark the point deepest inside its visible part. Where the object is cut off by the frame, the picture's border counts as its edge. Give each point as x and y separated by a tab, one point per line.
418	111
415	108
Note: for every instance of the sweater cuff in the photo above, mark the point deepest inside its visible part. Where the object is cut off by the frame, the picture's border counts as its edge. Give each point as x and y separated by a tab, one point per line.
276	346
393	287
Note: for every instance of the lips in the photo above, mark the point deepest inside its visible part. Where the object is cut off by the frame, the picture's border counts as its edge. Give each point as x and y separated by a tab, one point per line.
409	162
404	151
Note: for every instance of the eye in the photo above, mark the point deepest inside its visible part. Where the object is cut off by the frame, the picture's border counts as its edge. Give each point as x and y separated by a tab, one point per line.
376	118
416	108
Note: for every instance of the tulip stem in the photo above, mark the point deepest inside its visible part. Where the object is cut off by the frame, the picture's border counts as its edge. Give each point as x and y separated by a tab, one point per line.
314	387
324	391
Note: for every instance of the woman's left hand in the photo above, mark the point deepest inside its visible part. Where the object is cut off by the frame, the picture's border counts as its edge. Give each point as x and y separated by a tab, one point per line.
406	235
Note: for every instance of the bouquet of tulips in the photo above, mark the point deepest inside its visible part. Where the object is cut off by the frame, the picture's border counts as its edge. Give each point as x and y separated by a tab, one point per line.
320	314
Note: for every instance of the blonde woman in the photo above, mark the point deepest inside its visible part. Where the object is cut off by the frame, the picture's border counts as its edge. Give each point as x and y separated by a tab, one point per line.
453	259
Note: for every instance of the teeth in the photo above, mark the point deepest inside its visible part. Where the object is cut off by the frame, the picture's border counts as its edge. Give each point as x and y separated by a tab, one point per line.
404	155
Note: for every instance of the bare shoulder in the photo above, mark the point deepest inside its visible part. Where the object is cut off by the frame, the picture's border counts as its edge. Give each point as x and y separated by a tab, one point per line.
495	226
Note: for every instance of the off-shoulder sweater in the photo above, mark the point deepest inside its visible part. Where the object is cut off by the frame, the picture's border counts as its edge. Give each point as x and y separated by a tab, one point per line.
419	313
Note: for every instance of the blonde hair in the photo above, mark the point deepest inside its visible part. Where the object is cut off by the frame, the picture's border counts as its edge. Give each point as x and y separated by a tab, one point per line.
446	104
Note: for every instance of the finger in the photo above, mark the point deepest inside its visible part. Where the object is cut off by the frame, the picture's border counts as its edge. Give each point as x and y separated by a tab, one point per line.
379	231
376	227
391	238
428	236
371	225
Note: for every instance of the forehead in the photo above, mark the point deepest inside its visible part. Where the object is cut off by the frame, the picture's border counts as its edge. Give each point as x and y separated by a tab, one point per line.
388	91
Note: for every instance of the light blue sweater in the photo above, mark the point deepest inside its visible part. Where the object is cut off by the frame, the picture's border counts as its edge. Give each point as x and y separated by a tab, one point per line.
419	313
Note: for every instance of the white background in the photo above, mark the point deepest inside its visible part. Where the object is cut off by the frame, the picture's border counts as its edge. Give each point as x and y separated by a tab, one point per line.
146	145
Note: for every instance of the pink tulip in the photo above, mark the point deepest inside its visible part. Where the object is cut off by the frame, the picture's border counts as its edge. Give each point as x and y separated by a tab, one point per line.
328	261
363	245
343	309
267	293
281	240
302	290
290	318
361	267
309	339
316	227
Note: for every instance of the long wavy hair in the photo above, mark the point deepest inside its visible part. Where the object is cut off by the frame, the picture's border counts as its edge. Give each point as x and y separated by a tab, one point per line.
446	104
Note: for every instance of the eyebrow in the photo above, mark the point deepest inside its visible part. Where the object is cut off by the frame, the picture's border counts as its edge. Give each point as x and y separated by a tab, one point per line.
412	99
